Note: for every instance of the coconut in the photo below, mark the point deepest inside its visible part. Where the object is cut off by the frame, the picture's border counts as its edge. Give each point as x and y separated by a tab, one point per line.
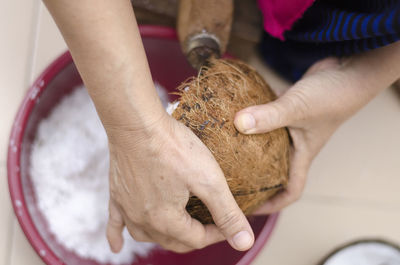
255	166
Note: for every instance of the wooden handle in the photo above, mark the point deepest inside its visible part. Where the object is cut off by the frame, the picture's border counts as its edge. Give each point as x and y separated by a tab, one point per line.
203	28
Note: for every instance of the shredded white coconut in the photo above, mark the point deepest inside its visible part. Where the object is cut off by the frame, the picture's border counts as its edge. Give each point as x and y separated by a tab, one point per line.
69	170
171	107
368	253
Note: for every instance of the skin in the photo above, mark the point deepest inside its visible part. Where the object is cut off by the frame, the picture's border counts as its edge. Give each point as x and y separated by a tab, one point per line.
156	163
313	108
153	169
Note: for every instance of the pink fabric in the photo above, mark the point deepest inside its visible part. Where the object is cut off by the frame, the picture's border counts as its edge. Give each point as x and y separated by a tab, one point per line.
280	15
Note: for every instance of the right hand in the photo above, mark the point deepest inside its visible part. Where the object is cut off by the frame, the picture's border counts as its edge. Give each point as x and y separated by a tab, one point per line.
153	172
154	168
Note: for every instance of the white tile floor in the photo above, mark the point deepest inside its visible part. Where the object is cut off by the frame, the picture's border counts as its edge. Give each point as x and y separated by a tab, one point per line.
352	190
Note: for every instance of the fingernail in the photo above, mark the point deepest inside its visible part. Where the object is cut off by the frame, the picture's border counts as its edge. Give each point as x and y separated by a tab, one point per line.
242	240
245	122
116	247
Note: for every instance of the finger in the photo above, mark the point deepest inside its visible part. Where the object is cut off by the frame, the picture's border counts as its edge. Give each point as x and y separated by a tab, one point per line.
115	227
175	246
226	214
267	117
171	244
192	233
138	234
167	242
297	179
178	248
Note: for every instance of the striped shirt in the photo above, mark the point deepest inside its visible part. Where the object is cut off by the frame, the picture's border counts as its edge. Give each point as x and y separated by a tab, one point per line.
333	28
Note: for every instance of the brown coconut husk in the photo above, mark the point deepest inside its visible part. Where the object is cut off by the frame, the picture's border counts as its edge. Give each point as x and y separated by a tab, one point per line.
255	166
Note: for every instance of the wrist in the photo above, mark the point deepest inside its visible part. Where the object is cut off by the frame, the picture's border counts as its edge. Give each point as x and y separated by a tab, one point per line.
377	68
130	105
144	128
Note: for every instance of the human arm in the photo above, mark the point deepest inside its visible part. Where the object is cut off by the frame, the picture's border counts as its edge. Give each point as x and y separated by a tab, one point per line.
156	163
313	108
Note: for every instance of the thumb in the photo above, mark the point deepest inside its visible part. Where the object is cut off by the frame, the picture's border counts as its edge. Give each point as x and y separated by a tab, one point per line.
115	227
268	117
227	215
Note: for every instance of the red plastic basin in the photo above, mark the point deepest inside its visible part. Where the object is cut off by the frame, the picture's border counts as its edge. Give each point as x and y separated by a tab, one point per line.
169	68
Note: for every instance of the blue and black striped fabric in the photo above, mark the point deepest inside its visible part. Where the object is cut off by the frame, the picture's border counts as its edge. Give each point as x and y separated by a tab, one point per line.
333	28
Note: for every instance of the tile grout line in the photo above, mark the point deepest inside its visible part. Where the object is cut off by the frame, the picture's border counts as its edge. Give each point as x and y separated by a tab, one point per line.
34	39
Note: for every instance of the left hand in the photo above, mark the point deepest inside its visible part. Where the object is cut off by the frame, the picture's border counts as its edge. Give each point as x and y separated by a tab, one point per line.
312	109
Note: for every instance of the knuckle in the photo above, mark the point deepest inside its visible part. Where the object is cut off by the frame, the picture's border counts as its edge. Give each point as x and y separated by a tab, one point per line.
194	240
229	220
139	237
274	115
195	244
208	182
114	193
115	197
156	221
160	227
114	221
298	103
134	217
162	224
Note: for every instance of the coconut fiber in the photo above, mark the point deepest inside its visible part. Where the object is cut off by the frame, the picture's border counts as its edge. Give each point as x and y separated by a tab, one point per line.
255	166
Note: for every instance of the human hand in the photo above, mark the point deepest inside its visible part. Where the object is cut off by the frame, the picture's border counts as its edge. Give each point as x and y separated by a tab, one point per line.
152	174
312	109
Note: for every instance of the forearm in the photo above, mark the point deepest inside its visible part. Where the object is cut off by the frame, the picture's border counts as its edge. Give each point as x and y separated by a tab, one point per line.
105	43
374	70
352	83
